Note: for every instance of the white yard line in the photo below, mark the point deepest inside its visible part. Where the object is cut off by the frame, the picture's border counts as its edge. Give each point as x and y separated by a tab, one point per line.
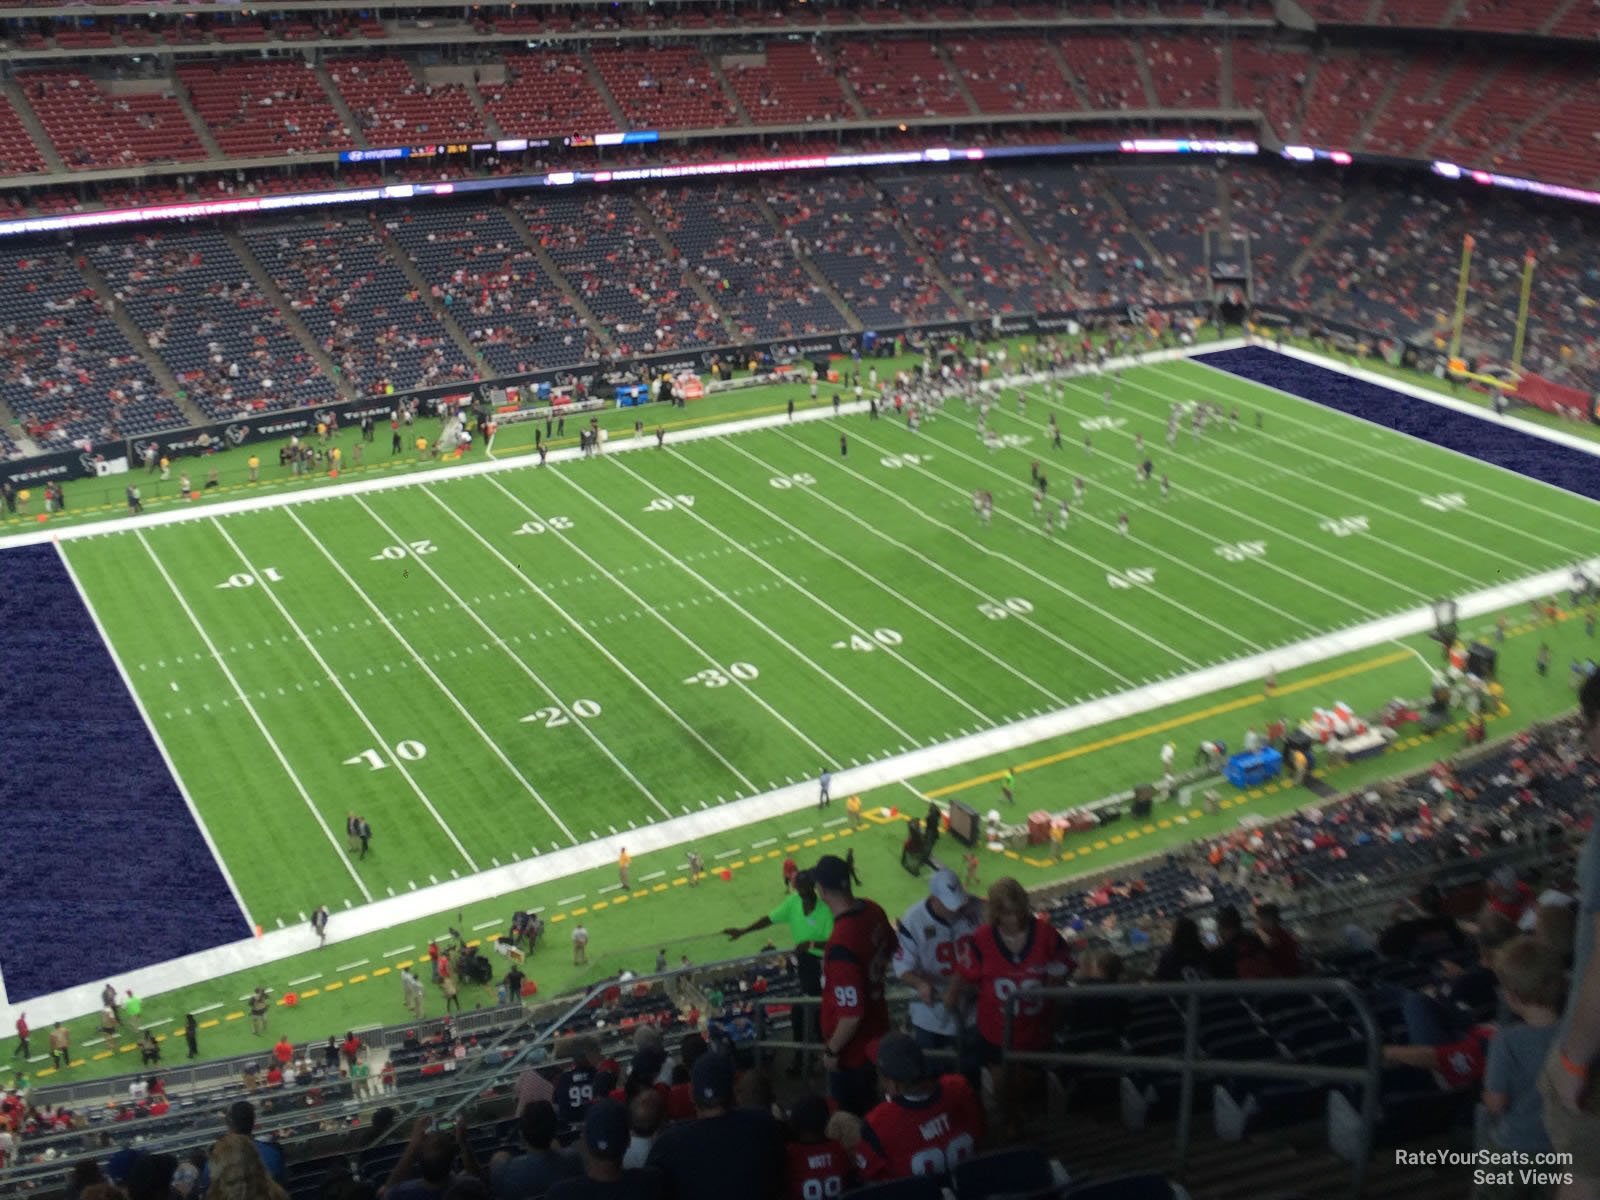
816	600
1275	530
399	952
646	606
493	634
1067	543
1439	400
578	627
387	749
360	962
1049	582
1307	447
721	854
261	725
983	596
482	925
1278	499
305	979
865	574
155	736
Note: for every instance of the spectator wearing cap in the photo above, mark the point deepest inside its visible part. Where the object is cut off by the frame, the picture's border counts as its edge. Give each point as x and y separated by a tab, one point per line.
925	1125
603	1148
810	923
925	959
746	1144
818	1164
542	1163
855	1012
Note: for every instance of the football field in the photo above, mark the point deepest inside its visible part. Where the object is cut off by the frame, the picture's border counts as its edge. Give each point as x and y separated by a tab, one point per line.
493	667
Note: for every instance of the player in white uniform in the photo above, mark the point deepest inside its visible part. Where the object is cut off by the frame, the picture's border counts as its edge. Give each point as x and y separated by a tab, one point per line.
1065	513
1079	489
1122	524
925	958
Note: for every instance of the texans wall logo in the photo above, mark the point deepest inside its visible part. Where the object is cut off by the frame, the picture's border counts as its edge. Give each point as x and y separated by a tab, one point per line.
236	434
90	463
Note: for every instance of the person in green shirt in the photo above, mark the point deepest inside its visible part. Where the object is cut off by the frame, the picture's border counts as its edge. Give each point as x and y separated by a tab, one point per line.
132	1006
810	923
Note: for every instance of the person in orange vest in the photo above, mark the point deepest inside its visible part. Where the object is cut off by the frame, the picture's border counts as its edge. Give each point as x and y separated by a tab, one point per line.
624	861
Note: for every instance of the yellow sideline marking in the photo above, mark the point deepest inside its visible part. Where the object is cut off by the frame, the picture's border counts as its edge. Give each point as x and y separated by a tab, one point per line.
1171	723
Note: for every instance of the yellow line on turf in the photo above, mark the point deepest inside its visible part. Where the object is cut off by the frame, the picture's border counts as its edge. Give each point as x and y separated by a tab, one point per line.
1203	714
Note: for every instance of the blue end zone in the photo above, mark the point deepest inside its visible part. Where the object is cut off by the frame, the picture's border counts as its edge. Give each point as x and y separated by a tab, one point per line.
1532	456
103	868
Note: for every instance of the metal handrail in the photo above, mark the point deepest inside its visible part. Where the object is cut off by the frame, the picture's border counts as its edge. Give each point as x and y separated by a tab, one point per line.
1190	1064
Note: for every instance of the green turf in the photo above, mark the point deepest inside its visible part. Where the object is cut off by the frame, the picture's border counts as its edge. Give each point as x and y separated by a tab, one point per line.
684	920
625	597
806	607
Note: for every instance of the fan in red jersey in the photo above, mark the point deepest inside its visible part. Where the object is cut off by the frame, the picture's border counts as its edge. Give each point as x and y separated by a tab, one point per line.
925	1125
819	1167
854	966
1013	953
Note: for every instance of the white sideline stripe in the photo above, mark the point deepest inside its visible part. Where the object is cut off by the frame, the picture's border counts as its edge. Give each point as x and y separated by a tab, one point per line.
261	725
352	966
1344	465
794	833
155	737
253	953
726	854
816	600
307	979
608	888
471	612
867	575
1417	392
652	875
1276	531
361	487
399	952
482	925
448	693
158	1021
1023	619
565	900
1482	515
271	593
205	1008
583	632
763	843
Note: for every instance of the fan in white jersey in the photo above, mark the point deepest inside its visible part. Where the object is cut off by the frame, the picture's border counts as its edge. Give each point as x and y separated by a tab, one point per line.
926	956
